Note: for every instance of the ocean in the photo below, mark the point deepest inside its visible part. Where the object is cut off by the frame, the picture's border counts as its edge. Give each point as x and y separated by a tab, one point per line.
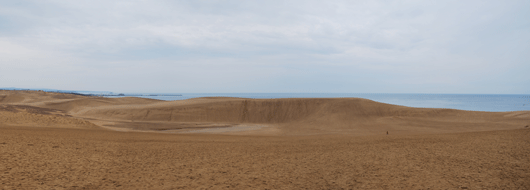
472	102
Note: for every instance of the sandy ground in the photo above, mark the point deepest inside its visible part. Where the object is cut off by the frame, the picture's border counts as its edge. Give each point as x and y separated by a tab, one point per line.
49	158
62	141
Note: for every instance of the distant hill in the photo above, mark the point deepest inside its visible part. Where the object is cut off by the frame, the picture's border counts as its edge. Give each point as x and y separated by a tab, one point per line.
63	91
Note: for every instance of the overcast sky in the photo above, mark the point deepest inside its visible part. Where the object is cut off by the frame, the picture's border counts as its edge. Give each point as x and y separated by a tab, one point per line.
267	46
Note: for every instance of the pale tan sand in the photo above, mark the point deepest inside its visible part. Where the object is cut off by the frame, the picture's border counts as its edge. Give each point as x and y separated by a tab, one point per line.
50	158
52	141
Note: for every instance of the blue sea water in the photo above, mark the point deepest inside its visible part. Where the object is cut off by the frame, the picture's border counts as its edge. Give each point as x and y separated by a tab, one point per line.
472	102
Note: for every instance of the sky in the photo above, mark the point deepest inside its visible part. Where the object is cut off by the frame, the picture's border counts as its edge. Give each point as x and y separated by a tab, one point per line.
287	46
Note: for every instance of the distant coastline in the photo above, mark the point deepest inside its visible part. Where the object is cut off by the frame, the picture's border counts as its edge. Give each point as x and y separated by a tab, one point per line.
122	94
88	93
50	90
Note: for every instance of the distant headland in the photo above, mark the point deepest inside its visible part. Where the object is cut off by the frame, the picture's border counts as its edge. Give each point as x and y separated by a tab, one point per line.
87	93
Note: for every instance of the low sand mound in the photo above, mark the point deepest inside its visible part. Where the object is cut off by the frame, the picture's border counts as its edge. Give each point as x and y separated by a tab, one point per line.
21	96
39	117
518	114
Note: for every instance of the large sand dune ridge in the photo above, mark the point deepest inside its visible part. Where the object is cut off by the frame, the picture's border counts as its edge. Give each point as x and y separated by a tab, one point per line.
293	116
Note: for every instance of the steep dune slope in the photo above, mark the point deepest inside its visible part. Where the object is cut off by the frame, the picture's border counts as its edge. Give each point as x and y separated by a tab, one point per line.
250	110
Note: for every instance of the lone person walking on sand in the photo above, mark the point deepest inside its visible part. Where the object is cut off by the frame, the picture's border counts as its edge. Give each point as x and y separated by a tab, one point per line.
386	132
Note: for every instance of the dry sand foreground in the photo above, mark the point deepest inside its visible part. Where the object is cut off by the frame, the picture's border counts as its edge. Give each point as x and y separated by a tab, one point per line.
62	141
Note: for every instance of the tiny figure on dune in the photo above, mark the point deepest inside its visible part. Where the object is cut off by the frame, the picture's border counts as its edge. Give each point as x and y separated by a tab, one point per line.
386	132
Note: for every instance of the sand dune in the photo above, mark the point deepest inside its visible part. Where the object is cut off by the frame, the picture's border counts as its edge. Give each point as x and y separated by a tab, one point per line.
301	116
64	141
294	116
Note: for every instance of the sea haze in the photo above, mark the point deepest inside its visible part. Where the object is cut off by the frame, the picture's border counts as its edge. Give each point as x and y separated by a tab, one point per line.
472	102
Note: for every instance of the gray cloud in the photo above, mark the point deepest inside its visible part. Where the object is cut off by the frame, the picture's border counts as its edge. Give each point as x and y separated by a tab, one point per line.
267	46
